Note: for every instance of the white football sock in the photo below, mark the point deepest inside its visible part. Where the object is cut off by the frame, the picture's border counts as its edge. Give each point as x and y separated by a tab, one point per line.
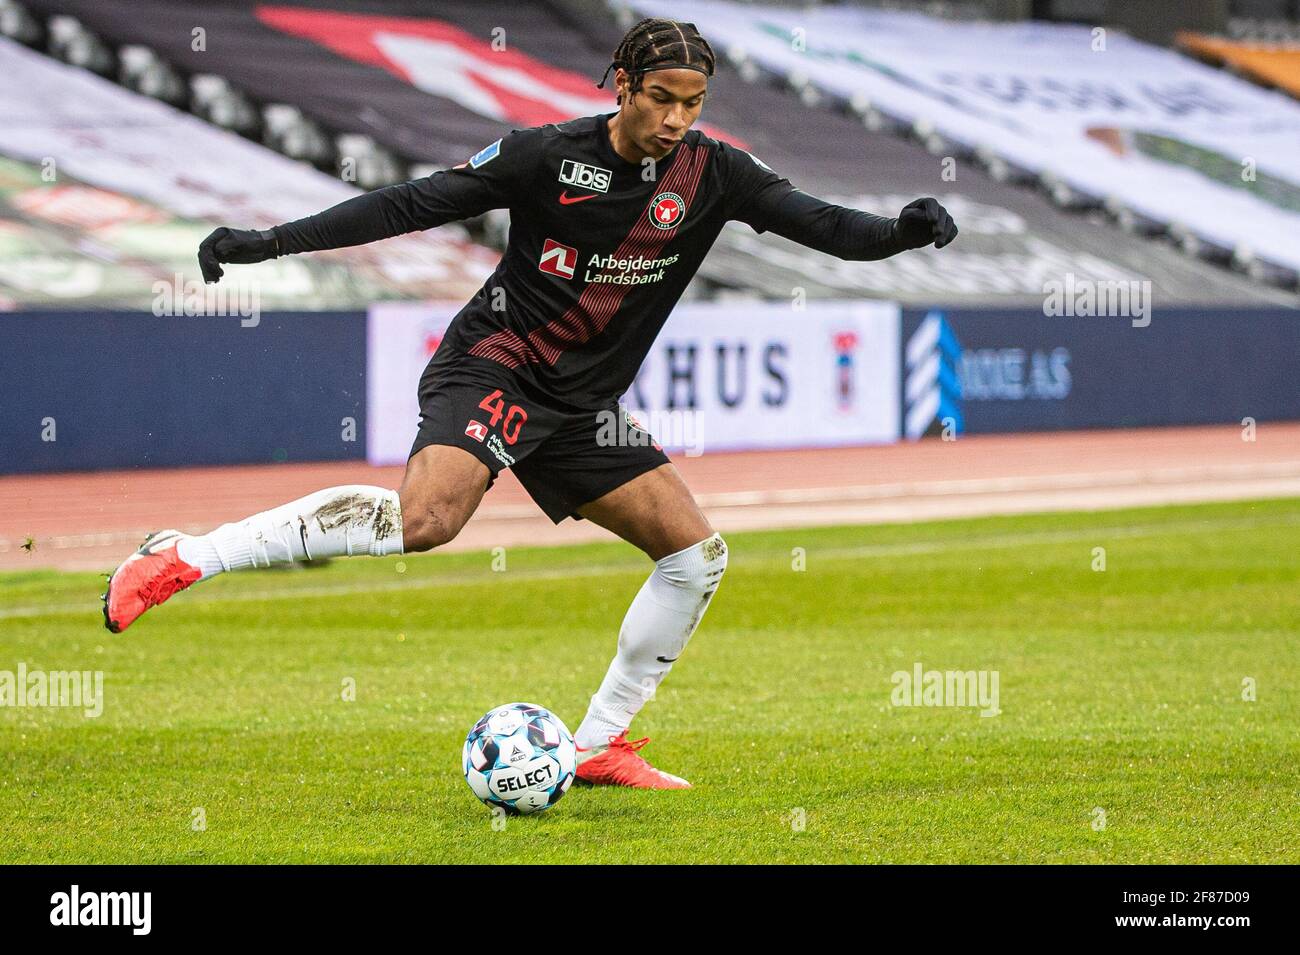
335	522
663	615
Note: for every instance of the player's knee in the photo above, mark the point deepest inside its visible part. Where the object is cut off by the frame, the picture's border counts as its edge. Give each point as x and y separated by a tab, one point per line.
428	524
715	559
426	532
699	567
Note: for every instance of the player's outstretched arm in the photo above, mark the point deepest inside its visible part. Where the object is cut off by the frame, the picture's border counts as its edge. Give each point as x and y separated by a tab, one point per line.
492	179
387	212
859	236
767	201
381	214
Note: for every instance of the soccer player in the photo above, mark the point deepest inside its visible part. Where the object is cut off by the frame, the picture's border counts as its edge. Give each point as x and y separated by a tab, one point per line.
611	216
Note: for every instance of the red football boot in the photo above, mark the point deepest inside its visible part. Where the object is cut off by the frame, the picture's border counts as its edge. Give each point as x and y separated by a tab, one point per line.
619	764
145	579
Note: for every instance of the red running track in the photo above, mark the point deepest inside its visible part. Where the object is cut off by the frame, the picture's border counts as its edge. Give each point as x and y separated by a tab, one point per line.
93	520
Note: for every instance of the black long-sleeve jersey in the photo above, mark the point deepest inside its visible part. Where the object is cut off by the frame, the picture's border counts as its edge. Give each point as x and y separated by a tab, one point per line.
600	249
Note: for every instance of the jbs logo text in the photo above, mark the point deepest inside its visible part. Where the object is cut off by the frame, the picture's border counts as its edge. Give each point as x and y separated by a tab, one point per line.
574	173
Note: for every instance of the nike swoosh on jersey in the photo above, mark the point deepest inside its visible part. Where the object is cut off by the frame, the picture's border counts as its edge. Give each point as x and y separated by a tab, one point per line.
568	200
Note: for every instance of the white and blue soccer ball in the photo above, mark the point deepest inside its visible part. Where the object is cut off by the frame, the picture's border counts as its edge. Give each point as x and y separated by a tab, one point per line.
519	757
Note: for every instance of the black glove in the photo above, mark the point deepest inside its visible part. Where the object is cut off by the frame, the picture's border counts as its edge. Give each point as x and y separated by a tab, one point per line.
923	221
241	246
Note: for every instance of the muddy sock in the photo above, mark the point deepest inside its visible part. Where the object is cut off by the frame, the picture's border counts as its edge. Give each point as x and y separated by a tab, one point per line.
335	522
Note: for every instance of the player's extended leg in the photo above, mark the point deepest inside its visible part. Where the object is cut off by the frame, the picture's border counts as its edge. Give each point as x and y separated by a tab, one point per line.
657	513
440	490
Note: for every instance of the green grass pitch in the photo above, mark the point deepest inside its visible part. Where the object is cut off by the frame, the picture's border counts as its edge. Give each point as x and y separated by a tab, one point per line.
1121	693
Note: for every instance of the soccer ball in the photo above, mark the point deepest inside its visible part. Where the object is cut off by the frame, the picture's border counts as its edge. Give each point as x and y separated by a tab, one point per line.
519	757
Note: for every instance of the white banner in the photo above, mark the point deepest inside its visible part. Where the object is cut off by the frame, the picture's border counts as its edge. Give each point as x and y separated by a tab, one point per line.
721	376
1176	140
765	375
401	337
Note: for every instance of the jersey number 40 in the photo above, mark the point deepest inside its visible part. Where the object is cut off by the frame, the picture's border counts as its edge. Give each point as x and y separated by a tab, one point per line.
515	416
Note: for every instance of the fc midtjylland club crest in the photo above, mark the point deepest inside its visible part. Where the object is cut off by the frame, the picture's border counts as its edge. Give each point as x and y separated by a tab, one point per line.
667	210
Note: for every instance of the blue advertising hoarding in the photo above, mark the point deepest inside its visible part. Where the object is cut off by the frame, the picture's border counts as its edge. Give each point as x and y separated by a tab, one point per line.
106	389
1006	370
94	390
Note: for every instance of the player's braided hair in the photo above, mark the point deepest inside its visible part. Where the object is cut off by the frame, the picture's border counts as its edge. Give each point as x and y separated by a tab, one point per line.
659	44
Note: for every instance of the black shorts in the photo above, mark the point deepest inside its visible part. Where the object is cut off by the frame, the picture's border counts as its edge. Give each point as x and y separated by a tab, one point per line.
563	457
